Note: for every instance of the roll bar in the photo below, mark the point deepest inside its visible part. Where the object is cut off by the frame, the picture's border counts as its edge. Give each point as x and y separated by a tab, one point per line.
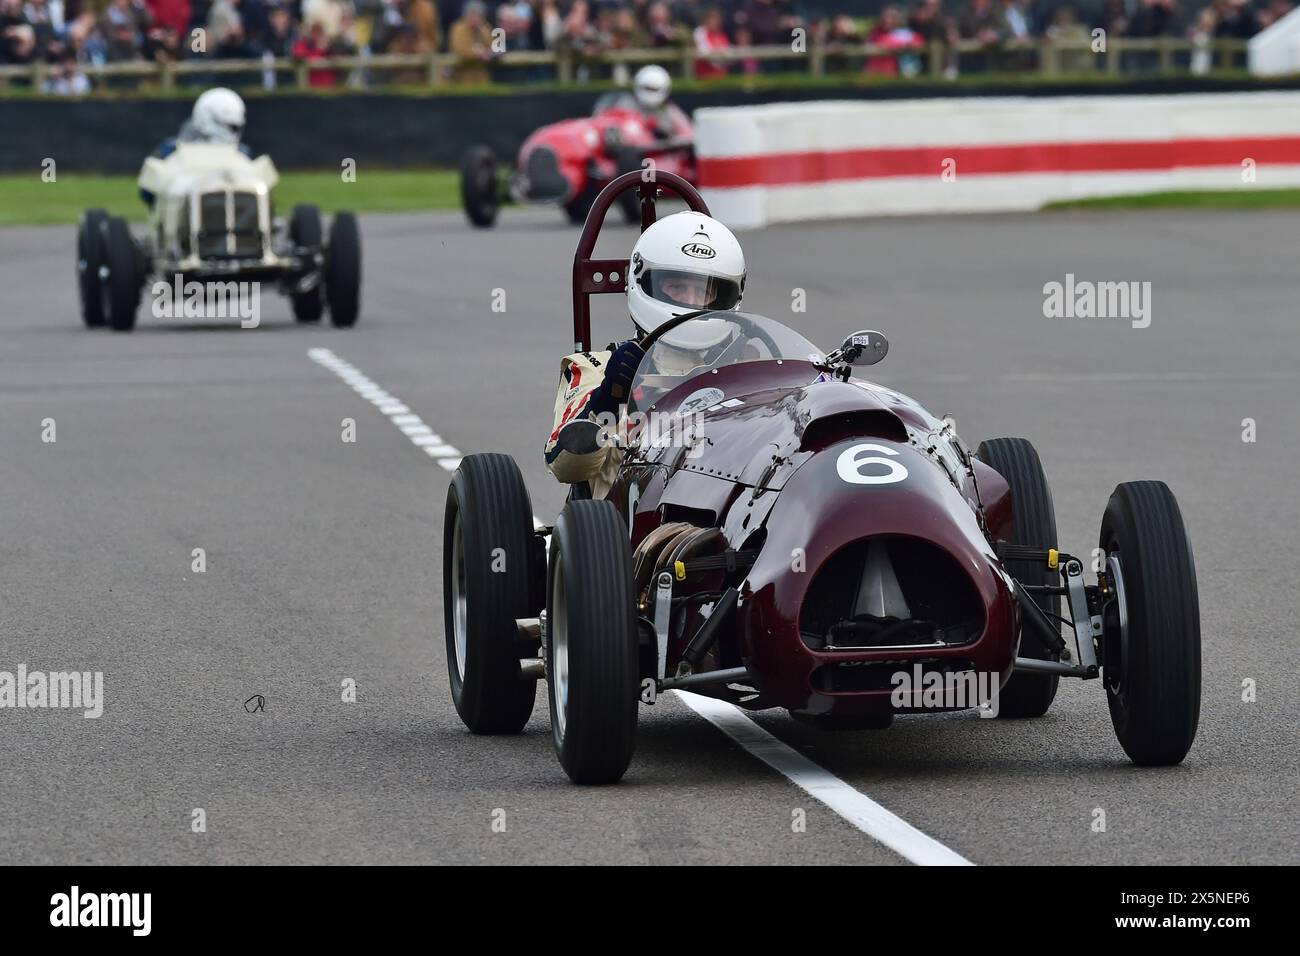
601	276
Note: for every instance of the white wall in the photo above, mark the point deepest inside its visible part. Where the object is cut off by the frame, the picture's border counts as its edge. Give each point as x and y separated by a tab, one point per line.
790	162
1276	51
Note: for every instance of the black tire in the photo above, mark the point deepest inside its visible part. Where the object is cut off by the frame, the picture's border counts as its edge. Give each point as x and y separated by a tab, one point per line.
480	190
120	288
592	654
1154	690
89	261
486	579
580	205
305	232
630	200
1034	516
343	270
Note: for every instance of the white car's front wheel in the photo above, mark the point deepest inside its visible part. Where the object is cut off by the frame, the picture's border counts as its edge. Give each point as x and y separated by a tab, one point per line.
120	279
343	270
90	262
305	233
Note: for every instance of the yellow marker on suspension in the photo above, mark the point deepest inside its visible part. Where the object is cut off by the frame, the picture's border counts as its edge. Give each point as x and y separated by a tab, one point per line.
1053	557
680	568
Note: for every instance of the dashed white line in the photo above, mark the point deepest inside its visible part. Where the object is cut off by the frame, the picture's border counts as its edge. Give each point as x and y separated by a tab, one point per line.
410	424
854	806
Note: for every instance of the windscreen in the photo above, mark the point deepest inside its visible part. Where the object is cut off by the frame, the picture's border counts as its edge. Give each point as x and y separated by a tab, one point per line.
711	340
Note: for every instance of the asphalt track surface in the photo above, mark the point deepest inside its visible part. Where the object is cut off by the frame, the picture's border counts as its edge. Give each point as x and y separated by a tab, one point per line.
324	558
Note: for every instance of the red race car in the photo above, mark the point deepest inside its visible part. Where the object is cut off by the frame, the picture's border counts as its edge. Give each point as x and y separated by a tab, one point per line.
570	162
784	534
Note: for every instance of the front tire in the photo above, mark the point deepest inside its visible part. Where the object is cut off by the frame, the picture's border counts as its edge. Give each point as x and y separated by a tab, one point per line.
580	205
306	233
1034	516
343	270
592	648
487	569
1154	688
480	191
90	258
120	288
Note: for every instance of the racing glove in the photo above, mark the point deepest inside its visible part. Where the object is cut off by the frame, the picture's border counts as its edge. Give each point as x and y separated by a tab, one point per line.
617	383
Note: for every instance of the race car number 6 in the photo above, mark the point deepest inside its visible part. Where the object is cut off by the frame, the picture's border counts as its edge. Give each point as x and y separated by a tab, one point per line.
851	464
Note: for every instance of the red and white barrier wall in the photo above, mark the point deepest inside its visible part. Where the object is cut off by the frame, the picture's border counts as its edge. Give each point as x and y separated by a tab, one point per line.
824	160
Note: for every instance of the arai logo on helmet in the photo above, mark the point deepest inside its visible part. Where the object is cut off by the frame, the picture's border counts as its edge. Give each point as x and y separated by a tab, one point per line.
698	250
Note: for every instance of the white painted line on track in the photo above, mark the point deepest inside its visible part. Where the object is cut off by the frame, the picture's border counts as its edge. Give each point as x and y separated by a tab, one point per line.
407	422
855	807
410	425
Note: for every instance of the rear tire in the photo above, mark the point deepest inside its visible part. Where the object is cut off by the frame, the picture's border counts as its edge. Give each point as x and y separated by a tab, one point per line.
306	233
1154	689
120	288
480	191
89	260
629	201
580	205
1016	460
487	569
592	666
343	270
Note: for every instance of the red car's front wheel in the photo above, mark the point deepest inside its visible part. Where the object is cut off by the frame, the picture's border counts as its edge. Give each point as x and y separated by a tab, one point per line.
480	190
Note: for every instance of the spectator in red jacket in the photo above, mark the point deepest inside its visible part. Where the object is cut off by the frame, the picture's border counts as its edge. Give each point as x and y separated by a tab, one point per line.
314	45
891	33
711	36
171	14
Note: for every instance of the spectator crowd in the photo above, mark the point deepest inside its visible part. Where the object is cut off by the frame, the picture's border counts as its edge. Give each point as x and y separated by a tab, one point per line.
65	35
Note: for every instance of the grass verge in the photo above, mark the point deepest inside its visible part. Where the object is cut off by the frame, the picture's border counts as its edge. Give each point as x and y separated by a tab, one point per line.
27	200
1251	198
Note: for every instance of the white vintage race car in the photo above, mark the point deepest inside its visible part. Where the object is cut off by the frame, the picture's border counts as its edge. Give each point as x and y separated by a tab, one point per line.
212	223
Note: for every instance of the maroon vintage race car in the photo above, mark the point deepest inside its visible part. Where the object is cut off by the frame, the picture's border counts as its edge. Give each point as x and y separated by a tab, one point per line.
784	534
570	162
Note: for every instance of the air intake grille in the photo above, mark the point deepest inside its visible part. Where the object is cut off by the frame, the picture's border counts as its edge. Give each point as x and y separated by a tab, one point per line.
932	602
229	225
545	181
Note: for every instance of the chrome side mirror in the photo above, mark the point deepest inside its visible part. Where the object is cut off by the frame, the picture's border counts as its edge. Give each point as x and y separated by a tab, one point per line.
863	348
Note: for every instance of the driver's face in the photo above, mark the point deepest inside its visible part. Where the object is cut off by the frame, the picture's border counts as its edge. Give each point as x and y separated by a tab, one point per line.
688	290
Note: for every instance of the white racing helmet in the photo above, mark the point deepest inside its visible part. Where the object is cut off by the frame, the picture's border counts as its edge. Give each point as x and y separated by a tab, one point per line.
219	116
686	262
652	86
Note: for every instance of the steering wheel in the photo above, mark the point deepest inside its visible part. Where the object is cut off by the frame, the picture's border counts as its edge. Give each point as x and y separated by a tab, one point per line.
749	331
747	328
648	339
